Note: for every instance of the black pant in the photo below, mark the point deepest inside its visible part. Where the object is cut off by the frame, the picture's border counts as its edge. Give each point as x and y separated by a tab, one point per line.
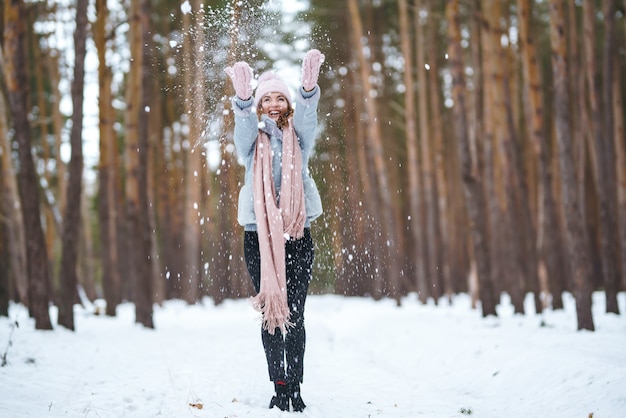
299	256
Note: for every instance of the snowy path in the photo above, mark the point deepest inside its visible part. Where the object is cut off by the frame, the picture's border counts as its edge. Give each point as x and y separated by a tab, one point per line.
364	359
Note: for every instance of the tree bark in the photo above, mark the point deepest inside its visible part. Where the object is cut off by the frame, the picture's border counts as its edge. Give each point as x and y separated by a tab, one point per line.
548	243
608	212
107	202
387	281
193	86
620	160
577	247
429	234
71	220
441	155
18	91
137	151
413	163
17	284
472	186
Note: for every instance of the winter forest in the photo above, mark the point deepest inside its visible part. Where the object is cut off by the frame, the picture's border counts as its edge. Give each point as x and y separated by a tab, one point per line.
472	146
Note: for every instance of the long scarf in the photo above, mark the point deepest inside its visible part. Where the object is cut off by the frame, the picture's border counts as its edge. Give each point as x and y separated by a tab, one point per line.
277	223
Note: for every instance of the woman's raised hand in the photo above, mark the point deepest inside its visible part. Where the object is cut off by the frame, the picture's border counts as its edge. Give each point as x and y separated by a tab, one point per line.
241	75
311	68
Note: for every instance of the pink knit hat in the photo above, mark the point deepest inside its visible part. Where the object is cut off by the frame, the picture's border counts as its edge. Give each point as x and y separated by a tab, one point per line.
270	82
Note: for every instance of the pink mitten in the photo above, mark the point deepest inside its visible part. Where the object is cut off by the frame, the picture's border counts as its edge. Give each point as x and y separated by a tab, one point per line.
311	68
241	75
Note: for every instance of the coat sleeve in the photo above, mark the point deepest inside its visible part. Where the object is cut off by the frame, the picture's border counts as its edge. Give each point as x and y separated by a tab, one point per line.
305	117
246	126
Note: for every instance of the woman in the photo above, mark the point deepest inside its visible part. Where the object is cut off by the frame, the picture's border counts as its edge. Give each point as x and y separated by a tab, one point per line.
277	204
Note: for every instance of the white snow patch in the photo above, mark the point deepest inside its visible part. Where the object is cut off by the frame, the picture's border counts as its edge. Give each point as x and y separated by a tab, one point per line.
363	358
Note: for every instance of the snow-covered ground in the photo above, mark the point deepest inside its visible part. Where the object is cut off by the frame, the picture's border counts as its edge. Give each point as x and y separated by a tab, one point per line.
364	359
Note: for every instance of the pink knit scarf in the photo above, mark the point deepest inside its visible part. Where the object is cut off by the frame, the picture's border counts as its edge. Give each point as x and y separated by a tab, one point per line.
276	224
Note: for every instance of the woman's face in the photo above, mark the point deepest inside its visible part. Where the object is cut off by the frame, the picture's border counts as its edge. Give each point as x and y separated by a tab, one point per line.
274	105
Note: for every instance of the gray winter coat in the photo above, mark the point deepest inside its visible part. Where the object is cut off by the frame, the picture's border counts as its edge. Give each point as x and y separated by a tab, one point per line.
246	130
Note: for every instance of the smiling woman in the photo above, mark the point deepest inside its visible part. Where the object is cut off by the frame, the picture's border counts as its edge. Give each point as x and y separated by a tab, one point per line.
277	204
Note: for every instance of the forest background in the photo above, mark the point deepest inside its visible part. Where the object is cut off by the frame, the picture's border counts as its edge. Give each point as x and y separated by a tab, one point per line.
465	146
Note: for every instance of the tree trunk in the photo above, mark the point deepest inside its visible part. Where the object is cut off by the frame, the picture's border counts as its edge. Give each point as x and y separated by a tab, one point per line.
548	245
18	91
137	151
429	230
620	145
472	186
602	154
608	212
107	205
193	86
577	248
52	223
620	160
413	164
71	221
441	154
17	285
391	274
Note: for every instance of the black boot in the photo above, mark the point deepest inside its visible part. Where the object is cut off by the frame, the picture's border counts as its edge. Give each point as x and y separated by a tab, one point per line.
281	399
296	400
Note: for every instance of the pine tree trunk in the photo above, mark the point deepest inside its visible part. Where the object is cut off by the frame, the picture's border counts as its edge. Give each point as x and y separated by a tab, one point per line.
441	155
18	91
193	84
472	186
137	151
17	281
602	155
72	218
413	163
620	160
429	234
548	243
387	280
107	206
577	247
609	211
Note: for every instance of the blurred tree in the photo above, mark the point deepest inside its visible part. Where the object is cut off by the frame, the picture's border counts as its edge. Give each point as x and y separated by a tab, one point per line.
472	186
107	202
72	218
387	272
431	235
577	247
602	154
417	260
16	278
139	233
194	88
548	242
18	91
